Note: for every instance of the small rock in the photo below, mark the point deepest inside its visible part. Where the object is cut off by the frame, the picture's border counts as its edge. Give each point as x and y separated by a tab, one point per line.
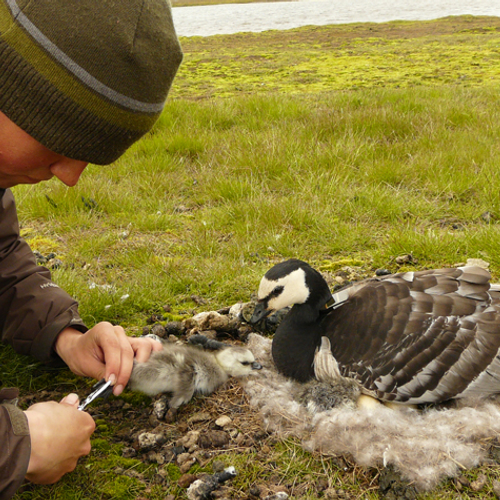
223	421
213	439
160	407
186	480
155	458
211	320
479	483
190	440
406	259
382	272
174	328
277	496
496	488
158	329
183	458
171	415
199	417
187	462
128	452
204	487
255	490
146	440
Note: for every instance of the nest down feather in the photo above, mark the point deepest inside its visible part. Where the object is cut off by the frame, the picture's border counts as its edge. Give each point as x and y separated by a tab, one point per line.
425	446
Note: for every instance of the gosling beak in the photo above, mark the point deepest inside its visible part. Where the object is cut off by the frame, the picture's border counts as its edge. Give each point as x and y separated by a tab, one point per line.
259	313
256	366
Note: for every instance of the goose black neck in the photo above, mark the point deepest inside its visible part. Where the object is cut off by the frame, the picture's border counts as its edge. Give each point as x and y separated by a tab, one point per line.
295	342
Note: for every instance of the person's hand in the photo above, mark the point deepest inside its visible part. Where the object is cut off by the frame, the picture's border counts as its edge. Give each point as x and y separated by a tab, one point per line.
105	351
60	435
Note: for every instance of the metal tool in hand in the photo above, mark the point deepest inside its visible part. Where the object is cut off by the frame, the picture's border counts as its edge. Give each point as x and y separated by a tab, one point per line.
101	390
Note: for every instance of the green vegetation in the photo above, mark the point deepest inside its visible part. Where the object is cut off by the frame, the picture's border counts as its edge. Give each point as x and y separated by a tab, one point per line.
352	143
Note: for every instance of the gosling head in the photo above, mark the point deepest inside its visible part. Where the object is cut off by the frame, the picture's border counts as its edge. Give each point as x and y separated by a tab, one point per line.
237	361
288	283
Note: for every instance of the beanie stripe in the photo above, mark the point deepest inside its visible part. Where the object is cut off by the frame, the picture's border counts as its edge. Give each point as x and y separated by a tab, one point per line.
77	70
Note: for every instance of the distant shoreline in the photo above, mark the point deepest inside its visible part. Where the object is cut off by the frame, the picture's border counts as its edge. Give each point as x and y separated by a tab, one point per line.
193	3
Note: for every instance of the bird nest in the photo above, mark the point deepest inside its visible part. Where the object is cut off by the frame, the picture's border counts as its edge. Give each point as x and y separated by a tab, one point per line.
424	445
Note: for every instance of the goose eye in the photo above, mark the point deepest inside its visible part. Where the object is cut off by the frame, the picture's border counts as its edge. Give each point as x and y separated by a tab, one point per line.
277	291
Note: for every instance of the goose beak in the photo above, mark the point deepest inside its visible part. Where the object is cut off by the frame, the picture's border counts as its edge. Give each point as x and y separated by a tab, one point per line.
259	313
256	366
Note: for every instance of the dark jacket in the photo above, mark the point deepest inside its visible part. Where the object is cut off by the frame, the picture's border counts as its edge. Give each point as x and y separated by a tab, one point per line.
33	311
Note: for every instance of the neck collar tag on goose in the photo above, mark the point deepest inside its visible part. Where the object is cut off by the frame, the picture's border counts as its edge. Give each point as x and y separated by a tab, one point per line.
330	303
336	300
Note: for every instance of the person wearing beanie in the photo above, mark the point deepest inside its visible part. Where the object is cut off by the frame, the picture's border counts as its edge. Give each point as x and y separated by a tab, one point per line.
80	82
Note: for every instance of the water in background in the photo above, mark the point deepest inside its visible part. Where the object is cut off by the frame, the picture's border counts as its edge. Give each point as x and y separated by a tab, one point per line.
234	18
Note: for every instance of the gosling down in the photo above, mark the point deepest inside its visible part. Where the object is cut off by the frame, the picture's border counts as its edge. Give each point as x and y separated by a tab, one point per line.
186	370
414	337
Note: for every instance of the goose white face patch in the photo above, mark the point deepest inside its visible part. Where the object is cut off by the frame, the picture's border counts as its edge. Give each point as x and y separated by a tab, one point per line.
293	290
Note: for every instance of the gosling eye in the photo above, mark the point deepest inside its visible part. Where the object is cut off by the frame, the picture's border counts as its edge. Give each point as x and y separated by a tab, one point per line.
245	363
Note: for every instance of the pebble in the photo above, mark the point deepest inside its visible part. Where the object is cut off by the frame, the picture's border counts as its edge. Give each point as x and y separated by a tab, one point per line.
496	488
406	259
213	439
146	440
183	458
158	329
235	311
201	416
186	479
128	452
187	465
223	421
189	440
479	483
211	320
277	496
160	407
174	328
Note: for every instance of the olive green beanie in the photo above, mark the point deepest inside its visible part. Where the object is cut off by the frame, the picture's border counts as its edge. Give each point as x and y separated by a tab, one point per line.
86	78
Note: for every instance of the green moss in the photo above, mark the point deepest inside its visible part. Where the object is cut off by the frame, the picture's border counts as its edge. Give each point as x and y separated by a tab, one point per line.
333	266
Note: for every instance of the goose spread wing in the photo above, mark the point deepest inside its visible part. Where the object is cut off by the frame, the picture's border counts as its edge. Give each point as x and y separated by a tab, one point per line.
420	337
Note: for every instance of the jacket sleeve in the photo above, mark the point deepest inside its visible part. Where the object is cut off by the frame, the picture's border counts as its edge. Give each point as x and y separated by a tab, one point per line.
15	445
33	309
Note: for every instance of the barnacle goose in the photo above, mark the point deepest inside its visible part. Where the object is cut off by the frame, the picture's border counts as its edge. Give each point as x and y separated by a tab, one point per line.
413	337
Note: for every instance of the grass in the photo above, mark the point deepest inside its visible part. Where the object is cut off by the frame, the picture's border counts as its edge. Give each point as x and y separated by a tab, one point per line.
357	142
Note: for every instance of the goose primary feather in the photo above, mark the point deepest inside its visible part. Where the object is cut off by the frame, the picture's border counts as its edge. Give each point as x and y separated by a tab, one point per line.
414	337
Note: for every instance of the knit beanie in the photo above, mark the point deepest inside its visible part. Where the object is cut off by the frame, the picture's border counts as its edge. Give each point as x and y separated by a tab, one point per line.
86	78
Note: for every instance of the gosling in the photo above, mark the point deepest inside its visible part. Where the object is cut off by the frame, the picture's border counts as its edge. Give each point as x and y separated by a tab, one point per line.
186	370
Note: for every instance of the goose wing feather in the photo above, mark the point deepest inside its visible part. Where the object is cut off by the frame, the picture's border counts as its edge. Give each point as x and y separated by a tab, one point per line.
420	337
